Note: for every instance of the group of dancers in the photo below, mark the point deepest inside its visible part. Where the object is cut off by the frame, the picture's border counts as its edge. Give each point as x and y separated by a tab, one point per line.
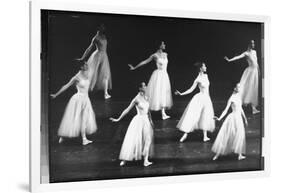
79	117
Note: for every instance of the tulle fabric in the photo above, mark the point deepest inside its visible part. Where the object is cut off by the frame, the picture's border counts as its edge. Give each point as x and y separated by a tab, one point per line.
138	140
159	90
231	137
99	69
78	116
199	114
249	85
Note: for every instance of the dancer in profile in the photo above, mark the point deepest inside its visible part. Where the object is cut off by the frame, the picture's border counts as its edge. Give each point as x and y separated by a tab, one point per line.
98	63
250	79
231	137
199	114
79	117
139	136
159	86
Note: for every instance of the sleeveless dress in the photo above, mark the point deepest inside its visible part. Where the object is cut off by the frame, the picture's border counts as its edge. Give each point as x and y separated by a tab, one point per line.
231	137
250	80
199	113
159	86
139	136
79	114
99	67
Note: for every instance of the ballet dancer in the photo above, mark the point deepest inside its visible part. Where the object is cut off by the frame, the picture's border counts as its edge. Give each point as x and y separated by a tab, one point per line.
79	117
199	114
159	86
139	136
231	137
98	62
250	79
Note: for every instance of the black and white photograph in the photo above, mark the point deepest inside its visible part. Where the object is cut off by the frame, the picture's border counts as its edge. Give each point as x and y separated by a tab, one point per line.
129	96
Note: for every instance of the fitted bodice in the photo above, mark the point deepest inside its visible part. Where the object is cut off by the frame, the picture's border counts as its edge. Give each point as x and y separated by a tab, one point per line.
251	57
236	103
82	85
101	43
142	106
203	83
161	62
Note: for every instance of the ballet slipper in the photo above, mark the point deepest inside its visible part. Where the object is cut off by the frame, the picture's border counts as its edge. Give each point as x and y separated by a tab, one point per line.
241	157
122	163
255	111
164	117
61	140
206	139
147	163
107	96
183	138
86	142
215	157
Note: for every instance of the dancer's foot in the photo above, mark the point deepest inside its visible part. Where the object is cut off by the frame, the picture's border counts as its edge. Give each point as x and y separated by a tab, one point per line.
122	163
60	140
183	138
206	139
107	96
241	157
164	117
255	111
86	142
147	163
215	157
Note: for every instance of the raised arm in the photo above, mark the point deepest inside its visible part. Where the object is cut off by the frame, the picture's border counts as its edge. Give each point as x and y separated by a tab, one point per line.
225	110
65	87
146	61
190	90
235	57
126	111
88	50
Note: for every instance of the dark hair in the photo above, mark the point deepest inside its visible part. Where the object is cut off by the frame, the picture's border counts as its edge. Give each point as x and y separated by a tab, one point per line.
101	28
198	65
140	85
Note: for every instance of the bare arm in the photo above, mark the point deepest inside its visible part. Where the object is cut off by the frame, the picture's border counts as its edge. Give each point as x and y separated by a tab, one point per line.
225	110
125	112
88	50
190	90
244	116
235	57
142	63
65	87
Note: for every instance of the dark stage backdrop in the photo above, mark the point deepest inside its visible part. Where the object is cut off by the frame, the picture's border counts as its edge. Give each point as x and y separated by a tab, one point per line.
134	38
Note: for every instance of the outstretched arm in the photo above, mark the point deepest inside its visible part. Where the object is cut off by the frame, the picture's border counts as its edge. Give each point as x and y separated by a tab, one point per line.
190	90
125	112
88	50
225	110
65	87
235	57
142	63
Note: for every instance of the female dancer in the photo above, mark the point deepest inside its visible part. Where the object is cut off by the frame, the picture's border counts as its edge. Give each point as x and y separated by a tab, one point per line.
79	117
250	78
199	114
139	136
159	86
231	137
99	69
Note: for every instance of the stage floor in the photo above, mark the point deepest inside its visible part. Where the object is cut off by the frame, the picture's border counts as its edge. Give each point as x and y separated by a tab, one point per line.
70	161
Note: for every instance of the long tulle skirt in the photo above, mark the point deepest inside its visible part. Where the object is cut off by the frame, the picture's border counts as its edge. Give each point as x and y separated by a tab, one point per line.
138	140
99	69
78	117
199	114
250	85
231	137
159	91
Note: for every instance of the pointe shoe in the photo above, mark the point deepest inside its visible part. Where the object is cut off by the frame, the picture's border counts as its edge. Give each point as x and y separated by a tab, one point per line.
122	163
107	96
206	139
164	117
215	157
60	140
147	163
255	111
241	157
183	138
86	142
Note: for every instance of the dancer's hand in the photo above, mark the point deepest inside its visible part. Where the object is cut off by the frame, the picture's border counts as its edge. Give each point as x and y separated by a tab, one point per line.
226	58
79	59
177	92
113	120
53	96
131	67
216	118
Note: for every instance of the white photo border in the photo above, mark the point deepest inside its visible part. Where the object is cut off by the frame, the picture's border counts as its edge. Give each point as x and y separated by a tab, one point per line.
35	97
